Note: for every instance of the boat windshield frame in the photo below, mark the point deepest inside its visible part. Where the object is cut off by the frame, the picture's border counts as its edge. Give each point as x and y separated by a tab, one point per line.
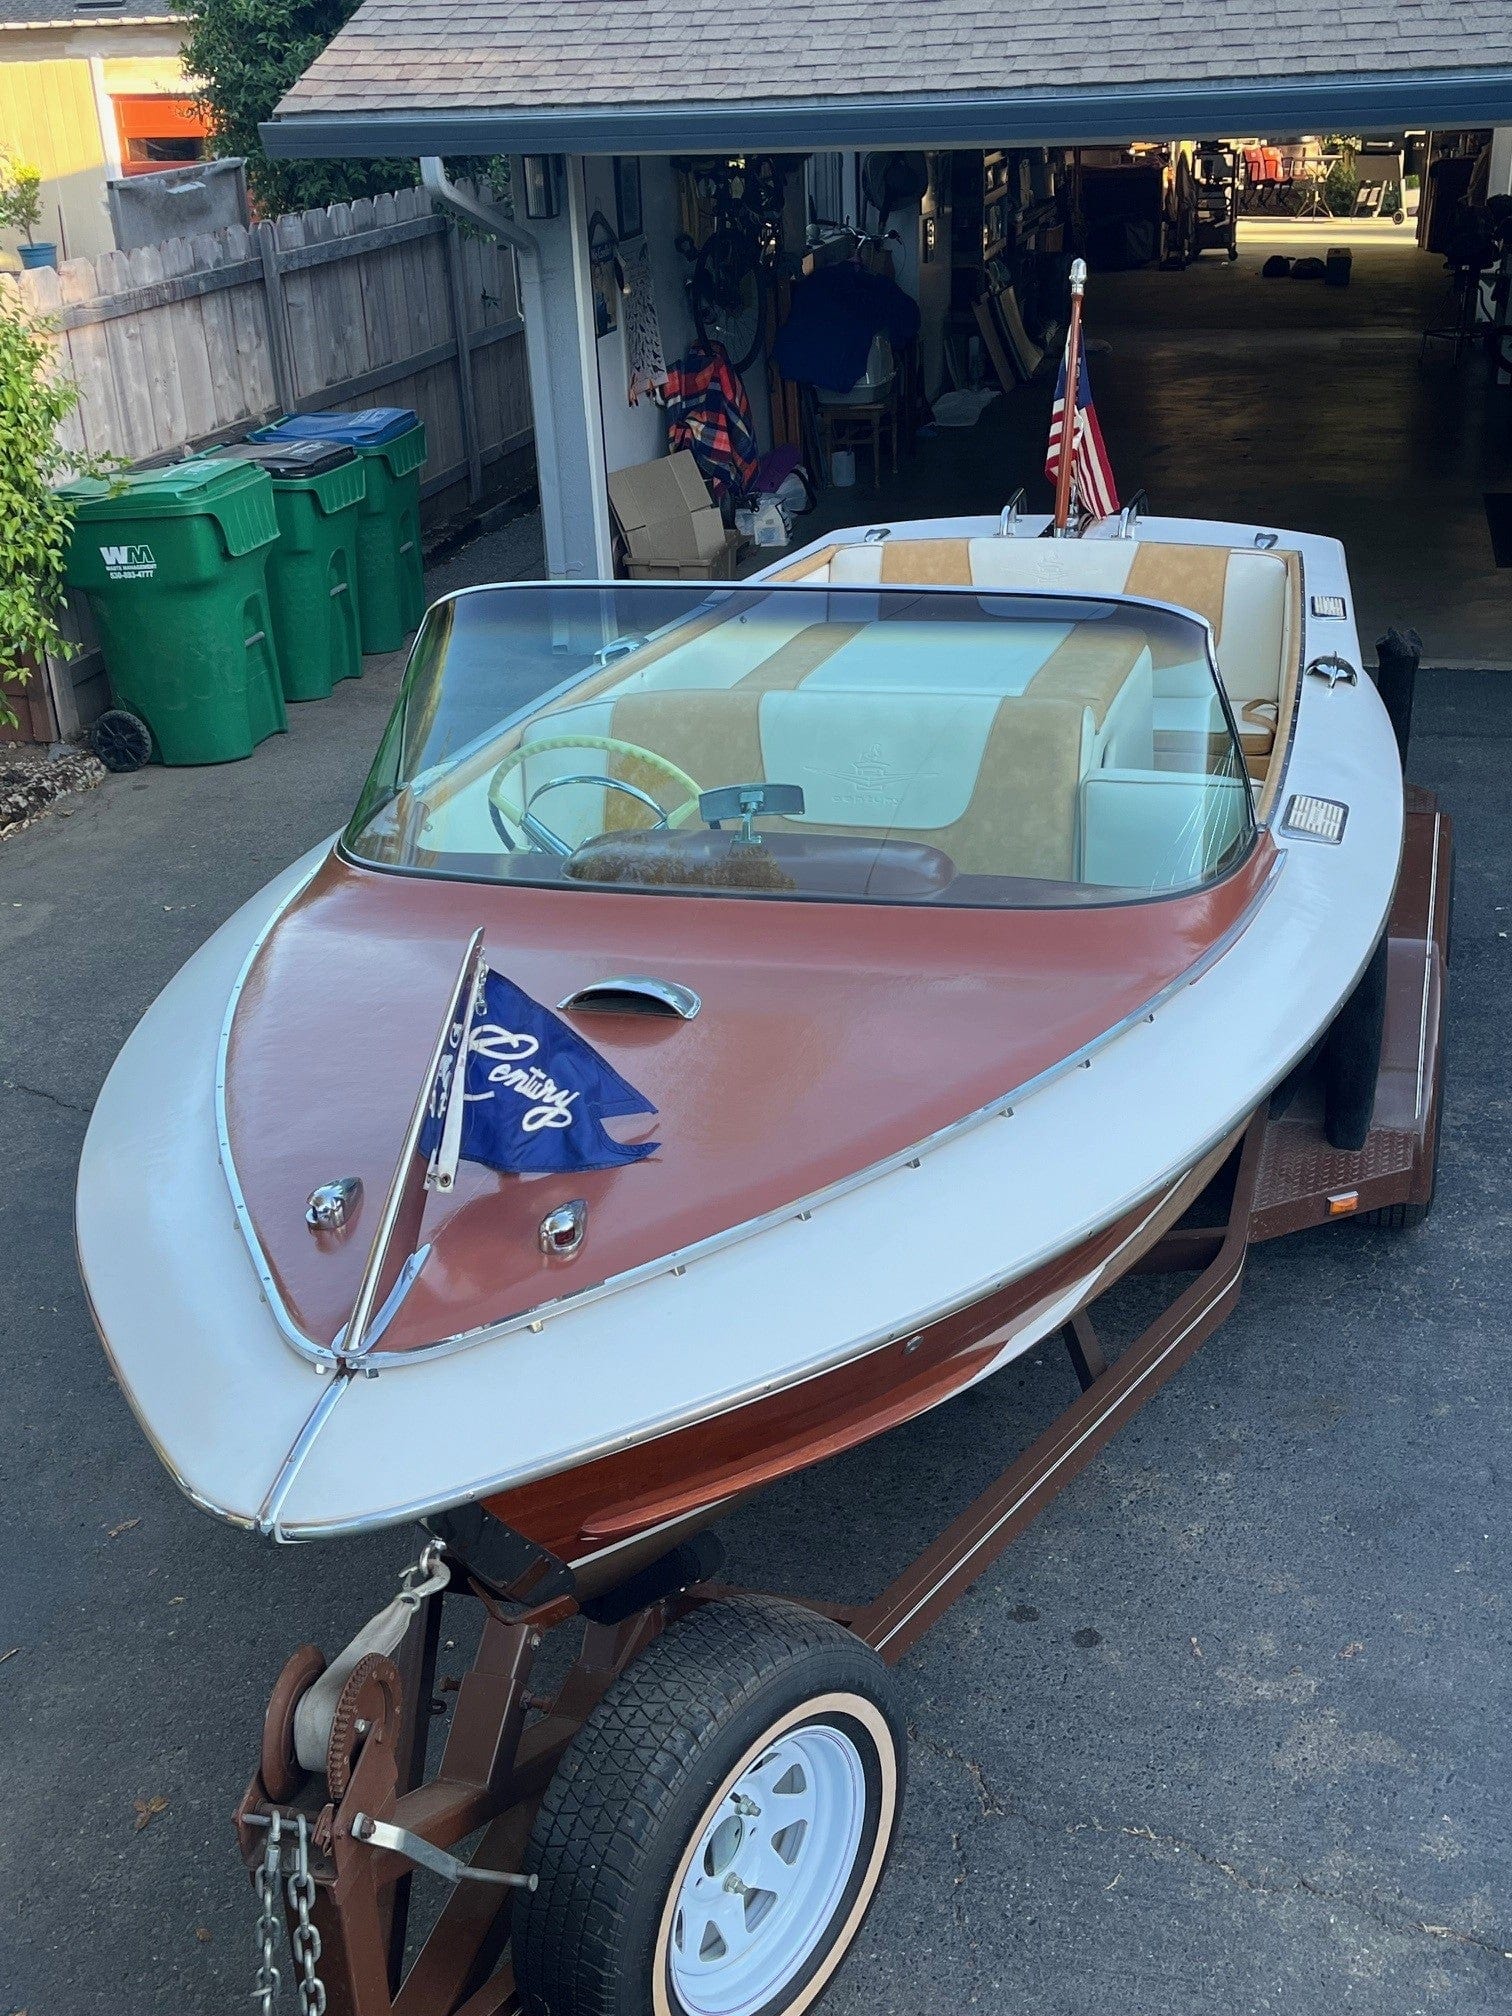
708	594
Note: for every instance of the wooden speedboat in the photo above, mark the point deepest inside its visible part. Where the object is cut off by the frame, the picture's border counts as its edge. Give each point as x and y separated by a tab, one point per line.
1007	875
735	1020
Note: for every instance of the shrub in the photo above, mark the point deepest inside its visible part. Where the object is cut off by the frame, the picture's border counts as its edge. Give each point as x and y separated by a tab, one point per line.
1341	184
35	398
20	195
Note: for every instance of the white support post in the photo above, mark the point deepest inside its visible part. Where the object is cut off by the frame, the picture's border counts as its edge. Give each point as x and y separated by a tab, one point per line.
110	134
556	302
562	349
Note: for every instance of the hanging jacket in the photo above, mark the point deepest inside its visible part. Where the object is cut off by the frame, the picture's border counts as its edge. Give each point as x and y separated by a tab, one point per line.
834	316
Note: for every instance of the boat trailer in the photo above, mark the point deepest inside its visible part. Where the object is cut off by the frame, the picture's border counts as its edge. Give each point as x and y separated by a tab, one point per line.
340	1813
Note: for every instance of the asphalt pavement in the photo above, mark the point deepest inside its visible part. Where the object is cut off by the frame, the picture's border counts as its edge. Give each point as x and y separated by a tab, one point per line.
1227	1730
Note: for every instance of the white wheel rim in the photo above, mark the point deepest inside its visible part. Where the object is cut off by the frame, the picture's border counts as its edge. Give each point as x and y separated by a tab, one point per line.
767	1873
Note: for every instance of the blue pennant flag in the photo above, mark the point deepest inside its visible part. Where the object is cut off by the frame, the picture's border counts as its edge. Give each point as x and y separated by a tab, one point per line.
536	1094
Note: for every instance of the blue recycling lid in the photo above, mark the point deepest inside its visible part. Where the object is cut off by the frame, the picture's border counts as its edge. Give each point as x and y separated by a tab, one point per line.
367	429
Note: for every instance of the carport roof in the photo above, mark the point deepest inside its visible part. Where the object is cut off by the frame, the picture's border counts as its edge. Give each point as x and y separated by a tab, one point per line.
76	13
659	76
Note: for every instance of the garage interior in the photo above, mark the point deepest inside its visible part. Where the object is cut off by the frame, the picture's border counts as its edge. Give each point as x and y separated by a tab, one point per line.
1373	410
1302	332
1273	401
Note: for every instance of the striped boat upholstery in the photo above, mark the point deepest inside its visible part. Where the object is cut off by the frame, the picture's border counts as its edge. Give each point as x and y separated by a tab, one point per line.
810	690
1247	596
1002	803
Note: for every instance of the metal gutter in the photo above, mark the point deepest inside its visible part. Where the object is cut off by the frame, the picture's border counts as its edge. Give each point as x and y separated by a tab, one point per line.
1067	116
543	342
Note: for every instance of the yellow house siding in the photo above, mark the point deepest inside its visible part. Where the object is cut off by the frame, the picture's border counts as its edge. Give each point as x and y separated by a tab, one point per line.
48	115
164	75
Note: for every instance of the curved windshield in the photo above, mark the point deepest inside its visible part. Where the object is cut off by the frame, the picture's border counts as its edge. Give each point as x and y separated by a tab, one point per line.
894	746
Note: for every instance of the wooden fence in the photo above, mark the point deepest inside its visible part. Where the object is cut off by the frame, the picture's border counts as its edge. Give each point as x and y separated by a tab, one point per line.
380	302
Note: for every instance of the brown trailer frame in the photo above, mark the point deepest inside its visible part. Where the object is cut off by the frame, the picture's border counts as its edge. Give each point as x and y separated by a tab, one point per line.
344	1849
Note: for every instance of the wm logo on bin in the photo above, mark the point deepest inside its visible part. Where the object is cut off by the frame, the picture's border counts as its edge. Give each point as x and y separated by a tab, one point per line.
128	563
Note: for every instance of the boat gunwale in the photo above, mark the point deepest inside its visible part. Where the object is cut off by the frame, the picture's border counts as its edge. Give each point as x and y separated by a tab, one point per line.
1148	1205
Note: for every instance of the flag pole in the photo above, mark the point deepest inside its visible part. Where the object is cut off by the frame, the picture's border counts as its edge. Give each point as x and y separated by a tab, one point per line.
404	1204
1069	411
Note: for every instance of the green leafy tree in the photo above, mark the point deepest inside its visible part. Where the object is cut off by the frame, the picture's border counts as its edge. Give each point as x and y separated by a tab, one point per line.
246	54
35	399
20	194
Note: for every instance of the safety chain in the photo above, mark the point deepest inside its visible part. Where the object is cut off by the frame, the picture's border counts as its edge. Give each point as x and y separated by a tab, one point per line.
304	1935
265	1883
426	1577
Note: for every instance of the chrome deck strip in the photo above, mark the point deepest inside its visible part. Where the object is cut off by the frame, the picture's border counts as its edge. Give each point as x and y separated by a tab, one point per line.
267	1515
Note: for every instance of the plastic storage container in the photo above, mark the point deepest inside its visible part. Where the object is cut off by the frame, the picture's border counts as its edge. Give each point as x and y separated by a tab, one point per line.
174	562
391	442
318	487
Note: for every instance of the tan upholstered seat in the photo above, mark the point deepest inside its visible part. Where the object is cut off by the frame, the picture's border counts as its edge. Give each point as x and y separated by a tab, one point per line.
1243	594
1002	803
980	751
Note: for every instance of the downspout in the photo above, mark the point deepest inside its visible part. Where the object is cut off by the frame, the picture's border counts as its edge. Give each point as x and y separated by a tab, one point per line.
489	218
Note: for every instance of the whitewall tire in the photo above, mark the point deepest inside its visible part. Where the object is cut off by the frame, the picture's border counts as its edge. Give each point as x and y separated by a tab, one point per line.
718	1828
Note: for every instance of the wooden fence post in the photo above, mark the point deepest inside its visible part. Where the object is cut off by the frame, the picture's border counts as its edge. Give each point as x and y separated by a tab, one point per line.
466	392
278	328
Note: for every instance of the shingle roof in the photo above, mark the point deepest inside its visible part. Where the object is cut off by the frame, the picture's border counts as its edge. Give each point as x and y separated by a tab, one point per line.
419	56
53	13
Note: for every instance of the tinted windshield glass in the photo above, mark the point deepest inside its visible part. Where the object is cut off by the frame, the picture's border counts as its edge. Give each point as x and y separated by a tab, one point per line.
901	745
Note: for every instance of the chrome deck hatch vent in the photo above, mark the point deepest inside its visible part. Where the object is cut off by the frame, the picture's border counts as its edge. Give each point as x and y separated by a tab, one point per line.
1333	668
634	994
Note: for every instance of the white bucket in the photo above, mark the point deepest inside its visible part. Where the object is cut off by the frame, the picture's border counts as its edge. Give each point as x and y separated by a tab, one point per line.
843	468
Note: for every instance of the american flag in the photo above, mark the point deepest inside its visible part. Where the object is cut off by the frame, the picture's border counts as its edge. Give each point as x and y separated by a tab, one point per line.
1091	471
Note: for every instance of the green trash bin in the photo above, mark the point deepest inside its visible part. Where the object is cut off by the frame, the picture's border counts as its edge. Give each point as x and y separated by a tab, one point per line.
174	563
318	488
390	579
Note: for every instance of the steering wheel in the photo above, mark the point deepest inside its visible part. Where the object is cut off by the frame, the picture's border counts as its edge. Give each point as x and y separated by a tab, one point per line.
501	808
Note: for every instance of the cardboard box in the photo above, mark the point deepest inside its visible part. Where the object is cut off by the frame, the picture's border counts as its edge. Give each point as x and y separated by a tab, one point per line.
720	568
670	525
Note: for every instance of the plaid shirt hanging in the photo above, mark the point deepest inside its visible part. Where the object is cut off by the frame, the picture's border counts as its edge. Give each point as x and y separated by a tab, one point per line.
709	413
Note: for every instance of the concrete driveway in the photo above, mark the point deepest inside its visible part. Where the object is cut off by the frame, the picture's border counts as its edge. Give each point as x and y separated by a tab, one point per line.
1227	1731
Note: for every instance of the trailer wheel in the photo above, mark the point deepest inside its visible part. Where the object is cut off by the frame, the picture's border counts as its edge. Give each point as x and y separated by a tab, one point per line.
718	1828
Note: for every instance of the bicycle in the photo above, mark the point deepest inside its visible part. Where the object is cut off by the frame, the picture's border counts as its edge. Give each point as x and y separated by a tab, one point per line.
869	248
730	287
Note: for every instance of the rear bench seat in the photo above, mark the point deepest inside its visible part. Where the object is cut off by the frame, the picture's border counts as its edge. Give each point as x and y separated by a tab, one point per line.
1247	597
